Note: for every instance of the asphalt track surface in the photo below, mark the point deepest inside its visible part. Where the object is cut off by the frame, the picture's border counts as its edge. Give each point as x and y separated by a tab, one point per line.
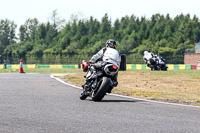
36	103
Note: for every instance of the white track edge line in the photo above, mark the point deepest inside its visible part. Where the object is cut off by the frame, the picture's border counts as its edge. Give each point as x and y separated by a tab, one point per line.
123	96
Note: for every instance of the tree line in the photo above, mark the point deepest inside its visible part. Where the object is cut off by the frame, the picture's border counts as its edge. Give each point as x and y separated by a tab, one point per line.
50	43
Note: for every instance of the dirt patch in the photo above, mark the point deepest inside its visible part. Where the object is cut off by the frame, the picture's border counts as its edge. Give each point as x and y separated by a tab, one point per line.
172	86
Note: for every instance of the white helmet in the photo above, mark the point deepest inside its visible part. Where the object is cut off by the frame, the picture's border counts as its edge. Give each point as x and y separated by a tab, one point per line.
146	52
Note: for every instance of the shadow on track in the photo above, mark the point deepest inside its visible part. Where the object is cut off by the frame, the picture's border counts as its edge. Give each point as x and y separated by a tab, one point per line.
125	101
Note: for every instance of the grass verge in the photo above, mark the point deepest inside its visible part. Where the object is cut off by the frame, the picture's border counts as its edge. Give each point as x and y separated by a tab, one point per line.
181	86
42	70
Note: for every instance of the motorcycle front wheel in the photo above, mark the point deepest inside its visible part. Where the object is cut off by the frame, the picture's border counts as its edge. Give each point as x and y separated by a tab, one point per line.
101	91
164	68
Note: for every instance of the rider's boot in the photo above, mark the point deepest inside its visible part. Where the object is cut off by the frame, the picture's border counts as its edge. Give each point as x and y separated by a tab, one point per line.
114	83
83	95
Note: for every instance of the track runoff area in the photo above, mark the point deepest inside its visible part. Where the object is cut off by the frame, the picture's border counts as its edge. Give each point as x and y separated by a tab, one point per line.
128	97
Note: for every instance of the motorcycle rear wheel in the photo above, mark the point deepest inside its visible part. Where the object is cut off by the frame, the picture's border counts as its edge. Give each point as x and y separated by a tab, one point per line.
101	92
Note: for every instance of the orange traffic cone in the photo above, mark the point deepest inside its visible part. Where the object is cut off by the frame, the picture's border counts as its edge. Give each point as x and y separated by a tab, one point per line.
21	67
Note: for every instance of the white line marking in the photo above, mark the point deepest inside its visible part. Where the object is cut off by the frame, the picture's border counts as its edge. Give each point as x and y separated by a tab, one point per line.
60	80
117	95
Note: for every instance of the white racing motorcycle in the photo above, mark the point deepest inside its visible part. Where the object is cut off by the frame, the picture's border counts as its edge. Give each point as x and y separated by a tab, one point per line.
158	63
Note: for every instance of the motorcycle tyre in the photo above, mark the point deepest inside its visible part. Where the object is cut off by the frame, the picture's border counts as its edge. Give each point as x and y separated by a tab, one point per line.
99	95
164	68
154	67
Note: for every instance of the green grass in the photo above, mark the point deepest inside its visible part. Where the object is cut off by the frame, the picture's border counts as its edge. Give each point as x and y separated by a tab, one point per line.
195	73
42	70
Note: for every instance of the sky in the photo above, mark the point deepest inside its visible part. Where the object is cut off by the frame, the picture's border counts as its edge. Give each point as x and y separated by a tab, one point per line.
21	10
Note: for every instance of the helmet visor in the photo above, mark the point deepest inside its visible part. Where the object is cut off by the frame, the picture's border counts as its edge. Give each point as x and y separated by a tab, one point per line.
113	44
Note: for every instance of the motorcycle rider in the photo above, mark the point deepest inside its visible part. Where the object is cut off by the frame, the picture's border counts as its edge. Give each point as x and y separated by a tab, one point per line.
108	54
149	57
